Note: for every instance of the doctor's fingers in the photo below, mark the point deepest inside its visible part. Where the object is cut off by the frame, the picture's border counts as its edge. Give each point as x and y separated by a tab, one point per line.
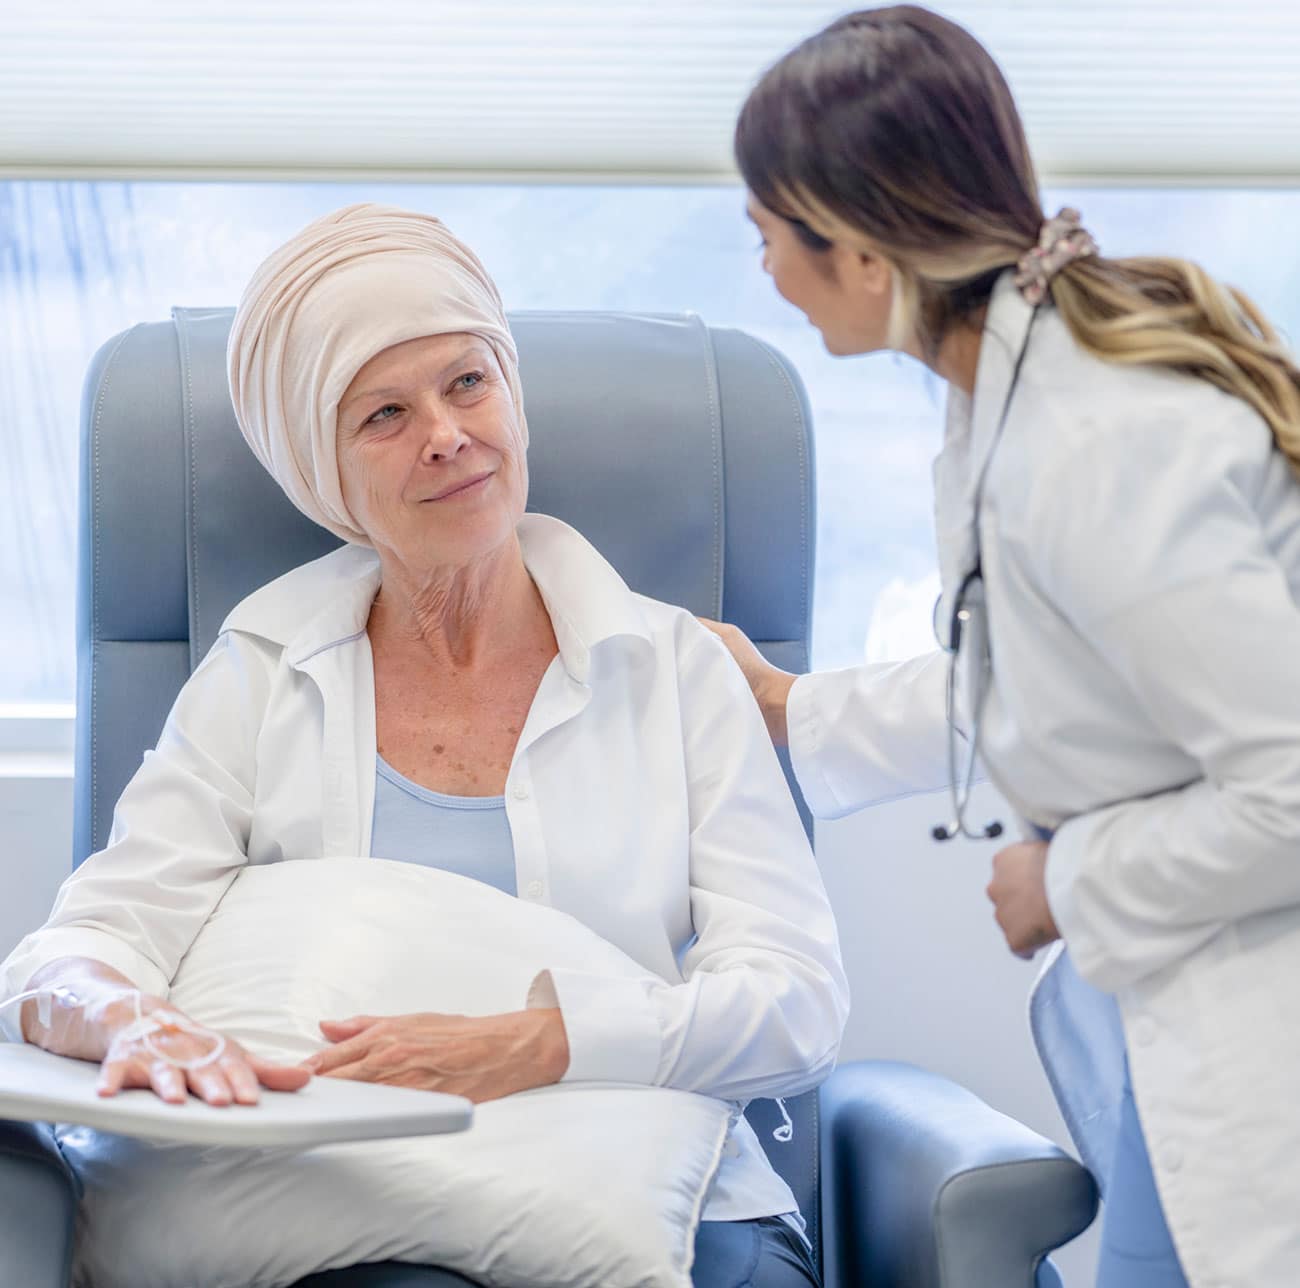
751	662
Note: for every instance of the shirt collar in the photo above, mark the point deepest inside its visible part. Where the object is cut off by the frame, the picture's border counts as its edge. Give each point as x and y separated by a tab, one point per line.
327	602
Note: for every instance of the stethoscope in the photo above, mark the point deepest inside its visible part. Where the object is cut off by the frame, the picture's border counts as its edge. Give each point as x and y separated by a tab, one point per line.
968	624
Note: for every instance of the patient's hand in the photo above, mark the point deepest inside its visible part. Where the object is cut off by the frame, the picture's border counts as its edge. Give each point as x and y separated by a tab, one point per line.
480	1058
92	1010
235	1077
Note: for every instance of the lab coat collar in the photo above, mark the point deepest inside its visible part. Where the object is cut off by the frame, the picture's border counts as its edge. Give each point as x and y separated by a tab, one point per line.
327	602
1006	324
971	425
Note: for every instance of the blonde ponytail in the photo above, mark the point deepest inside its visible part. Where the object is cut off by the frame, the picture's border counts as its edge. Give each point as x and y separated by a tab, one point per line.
1171	313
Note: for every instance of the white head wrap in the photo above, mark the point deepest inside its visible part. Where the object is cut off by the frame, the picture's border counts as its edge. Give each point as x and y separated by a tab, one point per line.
350	285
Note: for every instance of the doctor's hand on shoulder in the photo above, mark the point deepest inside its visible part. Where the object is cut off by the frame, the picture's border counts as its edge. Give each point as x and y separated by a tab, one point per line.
479	1057
770	684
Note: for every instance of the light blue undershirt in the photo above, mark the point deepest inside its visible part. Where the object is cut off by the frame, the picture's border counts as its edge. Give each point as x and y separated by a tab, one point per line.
468	835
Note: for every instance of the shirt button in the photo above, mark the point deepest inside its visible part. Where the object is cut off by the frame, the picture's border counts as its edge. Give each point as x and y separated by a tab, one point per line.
1144	1031
521	791
534	889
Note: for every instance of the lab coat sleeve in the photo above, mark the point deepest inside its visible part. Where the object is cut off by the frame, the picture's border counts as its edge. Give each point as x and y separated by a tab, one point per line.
762	1005
179	835
1182	597
869	734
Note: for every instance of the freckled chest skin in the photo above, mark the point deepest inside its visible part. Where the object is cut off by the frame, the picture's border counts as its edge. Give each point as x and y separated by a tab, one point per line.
455	732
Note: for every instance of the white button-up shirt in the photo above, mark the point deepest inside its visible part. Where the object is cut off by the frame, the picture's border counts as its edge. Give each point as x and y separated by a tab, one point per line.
644	799
1140	540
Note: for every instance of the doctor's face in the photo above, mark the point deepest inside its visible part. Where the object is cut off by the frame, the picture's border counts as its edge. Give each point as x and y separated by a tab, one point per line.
430	451
842	292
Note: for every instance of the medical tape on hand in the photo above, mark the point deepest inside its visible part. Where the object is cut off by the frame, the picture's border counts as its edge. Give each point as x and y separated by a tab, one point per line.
143	1026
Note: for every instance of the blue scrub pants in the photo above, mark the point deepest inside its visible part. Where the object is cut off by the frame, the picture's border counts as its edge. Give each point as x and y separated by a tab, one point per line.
1136	1249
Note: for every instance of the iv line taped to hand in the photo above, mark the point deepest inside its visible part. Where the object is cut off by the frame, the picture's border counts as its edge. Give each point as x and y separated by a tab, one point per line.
143	1026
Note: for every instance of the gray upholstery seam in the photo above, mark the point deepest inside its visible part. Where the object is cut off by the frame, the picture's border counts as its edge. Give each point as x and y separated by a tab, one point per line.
778	365
101	395
139	639
715	420
1063	1161
814	1154
192	542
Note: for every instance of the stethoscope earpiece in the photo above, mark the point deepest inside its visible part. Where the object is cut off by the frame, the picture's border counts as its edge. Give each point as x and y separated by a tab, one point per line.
991	832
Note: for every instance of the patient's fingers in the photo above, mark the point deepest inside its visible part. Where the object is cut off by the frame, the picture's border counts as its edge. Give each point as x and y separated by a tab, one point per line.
336	1030
167	1081
210	1084
243	1081
356	1071
112	1076
279	1077
344	1052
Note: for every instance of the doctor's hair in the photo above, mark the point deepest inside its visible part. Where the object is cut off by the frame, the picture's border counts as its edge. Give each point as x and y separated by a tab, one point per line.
894	132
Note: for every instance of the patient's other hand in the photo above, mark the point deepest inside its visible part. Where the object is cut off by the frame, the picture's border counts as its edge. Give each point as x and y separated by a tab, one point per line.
480	1058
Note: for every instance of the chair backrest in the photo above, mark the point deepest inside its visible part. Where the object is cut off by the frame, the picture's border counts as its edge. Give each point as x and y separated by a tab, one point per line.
682	451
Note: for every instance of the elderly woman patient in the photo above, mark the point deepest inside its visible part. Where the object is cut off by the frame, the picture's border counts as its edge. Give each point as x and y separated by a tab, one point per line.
467	687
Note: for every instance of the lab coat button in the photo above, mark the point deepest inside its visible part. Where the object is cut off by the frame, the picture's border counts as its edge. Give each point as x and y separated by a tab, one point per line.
1144	1031
521	792
534	889
1172	1158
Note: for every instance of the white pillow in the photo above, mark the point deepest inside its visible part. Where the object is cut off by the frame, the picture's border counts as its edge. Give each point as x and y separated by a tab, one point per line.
573	1186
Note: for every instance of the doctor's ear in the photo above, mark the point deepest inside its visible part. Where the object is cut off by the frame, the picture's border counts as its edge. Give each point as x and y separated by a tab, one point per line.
875	274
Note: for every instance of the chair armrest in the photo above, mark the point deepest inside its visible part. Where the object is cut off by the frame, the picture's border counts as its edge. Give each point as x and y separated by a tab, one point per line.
38	1205
925	1186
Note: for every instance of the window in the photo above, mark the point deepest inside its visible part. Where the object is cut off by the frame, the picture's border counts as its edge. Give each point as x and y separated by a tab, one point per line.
80	261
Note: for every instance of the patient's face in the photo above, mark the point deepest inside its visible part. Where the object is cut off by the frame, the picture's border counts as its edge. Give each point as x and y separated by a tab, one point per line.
430	449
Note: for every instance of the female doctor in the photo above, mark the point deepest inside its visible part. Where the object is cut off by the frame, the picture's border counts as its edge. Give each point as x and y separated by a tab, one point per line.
1118	522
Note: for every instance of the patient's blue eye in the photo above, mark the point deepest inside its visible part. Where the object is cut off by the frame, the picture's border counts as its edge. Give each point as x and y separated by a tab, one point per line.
379	417
476	376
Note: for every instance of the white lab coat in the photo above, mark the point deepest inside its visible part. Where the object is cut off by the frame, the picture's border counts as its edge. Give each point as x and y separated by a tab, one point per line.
1141	550
644	799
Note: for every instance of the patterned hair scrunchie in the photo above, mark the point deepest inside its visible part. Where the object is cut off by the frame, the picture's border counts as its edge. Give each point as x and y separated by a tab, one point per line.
1061	241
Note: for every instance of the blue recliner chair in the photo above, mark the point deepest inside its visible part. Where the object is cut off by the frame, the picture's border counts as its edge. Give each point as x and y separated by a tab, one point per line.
685	454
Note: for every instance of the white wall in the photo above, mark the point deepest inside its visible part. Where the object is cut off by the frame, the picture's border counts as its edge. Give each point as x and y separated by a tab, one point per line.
35	849
932	980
